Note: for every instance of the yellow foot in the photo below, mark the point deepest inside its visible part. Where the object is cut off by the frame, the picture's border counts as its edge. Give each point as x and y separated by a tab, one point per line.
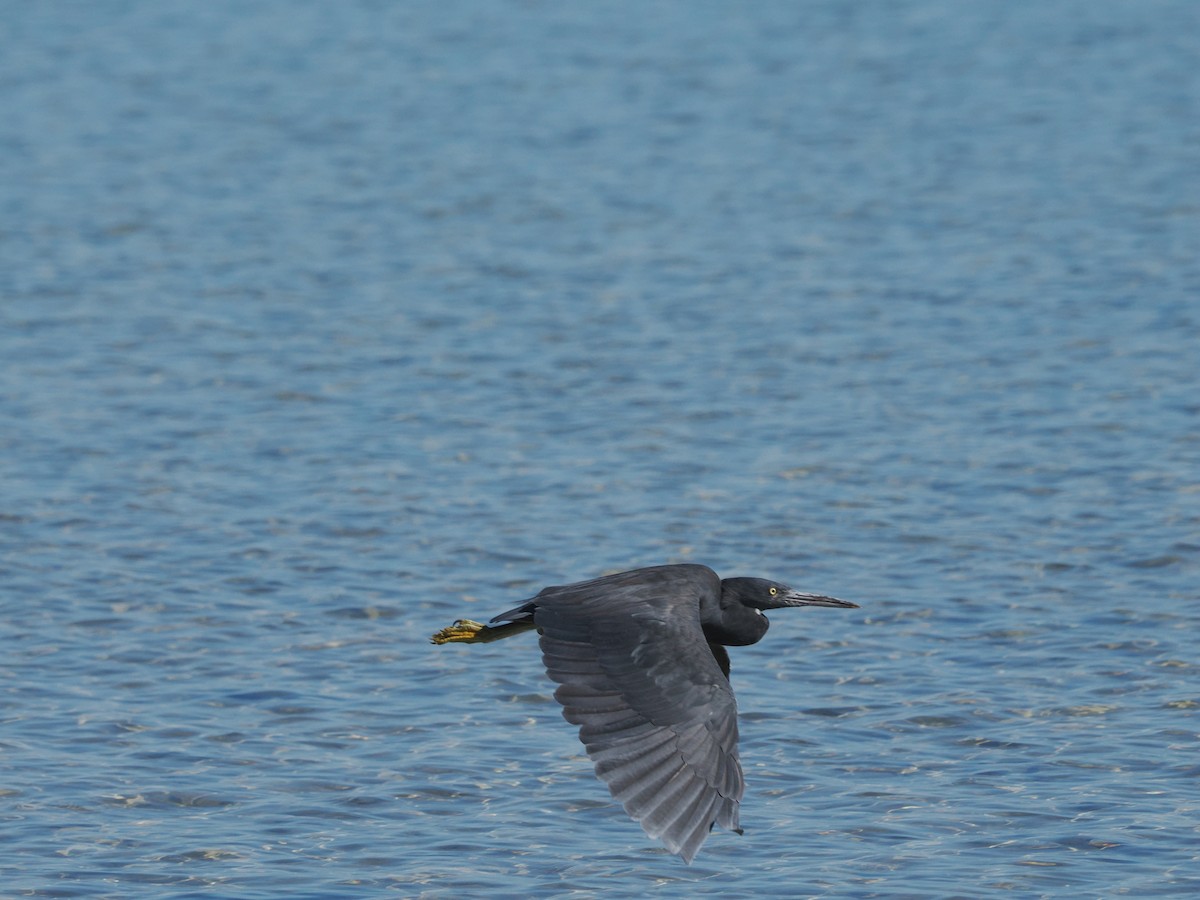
462	630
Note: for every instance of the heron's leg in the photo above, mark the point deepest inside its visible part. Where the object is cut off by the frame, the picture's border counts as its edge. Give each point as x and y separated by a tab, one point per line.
468	632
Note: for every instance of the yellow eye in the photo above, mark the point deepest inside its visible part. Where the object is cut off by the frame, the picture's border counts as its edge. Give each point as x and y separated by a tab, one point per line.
774	592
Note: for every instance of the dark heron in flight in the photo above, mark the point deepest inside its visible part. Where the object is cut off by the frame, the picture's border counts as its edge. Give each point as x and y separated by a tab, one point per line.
642	669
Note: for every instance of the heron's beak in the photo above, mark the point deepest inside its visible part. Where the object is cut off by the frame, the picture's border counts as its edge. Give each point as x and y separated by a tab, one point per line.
799	598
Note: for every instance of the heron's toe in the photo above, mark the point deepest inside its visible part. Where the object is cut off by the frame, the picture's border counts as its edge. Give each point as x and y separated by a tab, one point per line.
462	630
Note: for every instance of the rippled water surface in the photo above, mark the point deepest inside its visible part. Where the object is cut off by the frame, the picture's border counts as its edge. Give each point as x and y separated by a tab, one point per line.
325	324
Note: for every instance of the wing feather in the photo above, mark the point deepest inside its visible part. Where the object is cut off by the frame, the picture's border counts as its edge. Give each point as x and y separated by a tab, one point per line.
655	712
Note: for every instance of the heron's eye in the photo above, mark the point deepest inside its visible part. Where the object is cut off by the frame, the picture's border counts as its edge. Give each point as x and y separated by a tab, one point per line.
774	592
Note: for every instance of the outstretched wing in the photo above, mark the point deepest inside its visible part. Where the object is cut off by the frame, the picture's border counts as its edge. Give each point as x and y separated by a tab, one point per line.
656	714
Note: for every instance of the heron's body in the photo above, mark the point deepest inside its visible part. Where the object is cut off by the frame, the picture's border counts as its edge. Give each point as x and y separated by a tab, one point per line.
640	661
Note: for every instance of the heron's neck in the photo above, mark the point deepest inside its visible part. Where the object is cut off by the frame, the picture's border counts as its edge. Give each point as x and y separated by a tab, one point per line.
733	624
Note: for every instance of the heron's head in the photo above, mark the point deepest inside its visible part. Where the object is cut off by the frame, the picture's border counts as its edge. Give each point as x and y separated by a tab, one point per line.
760	594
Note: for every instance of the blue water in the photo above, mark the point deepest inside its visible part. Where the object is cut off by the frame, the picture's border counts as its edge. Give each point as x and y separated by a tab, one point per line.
322	325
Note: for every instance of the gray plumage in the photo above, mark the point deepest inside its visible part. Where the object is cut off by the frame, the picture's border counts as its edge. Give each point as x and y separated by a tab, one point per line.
641	670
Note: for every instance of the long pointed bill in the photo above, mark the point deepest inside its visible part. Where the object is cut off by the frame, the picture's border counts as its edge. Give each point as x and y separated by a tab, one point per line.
799	598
